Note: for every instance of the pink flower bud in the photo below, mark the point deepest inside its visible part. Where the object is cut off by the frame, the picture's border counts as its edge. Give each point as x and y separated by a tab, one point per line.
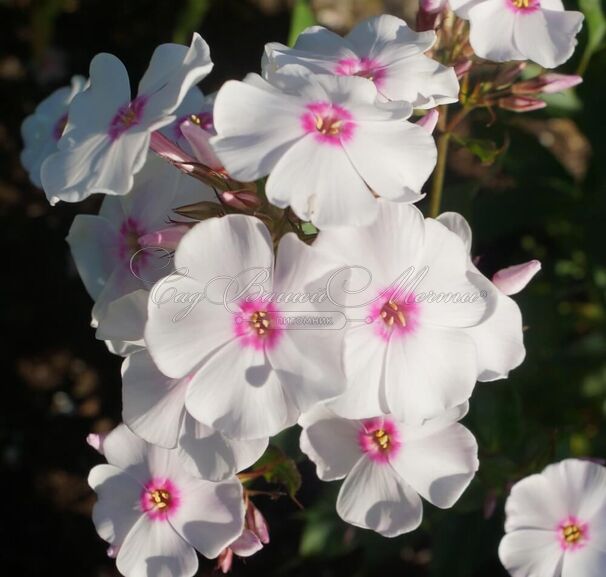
521	103
95	440
513	279
167	238
112	552
170	151
509	73
241	199
428	13
462	67
225	560
257	523
432	6
198	139
547	83
246	544
429	121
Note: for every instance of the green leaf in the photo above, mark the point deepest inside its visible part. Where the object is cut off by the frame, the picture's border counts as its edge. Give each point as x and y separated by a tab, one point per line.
302	17
309	228
596	29
279	469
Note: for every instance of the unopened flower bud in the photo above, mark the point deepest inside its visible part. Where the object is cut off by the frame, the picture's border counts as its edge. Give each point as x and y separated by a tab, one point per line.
521	103
244	199
513	279
427	16
509	74
198	139
429	121
167	238
95	440
462	67
167	149
547	83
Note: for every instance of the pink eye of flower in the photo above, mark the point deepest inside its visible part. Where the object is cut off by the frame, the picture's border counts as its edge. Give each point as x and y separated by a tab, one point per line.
523	5
572	534
127	116
363	67
257	325
379	439
329	123
159	498
394	315
130	232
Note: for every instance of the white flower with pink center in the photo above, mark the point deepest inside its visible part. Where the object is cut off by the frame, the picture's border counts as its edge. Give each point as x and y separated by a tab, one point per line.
537	30
107	136
155	514
153	406
106	248
330	147
556	522
388	463
499	340
221	320
382	49
43	129
408	350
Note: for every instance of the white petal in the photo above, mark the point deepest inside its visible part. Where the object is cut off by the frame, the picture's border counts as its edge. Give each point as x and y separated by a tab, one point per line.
490	41
173	70
418	78
590	561
427	372
255	127
154	548
456	223
94	244
123	449
499	339
319	40
535	503
125	318
374	497
246	544
375	36
527	553
364	361
394	158
582	483
320	184
117	508
548	37
237	392
214	456
330	442
439	466
211	515
153	405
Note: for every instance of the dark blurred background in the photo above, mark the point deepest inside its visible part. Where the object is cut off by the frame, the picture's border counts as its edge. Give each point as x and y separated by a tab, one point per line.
545	198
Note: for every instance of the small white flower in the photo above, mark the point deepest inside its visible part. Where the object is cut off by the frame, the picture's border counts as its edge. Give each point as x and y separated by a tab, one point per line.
106	248
499	339
216	320
556	523
106	139
43	129
326	149
153	406
155	514
388	463
408	350
537	30
383	49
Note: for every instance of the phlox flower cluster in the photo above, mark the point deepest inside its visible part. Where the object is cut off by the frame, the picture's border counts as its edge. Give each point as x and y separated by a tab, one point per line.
259	262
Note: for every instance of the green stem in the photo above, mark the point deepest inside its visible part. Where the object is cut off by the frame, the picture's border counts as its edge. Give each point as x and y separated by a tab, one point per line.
437	184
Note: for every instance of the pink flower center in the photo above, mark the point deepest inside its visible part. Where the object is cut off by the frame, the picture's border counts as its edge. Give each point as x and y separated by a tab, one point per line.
256	324
329	123
128	243
379	439
204	120
60	127
394	314
127	116
523	6
572	534
364	67
159	499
